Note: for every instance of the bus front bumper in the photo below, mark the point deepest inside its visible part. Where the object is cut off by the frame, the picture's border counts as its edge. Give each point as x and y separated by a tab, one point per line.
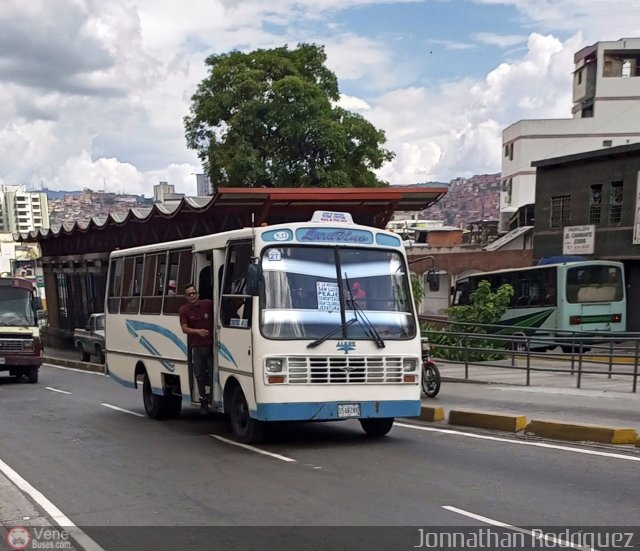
336	411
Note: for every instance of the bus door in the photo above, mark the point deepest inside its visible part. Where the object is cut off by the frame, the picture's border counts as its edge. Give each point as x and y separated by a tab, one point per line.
233	335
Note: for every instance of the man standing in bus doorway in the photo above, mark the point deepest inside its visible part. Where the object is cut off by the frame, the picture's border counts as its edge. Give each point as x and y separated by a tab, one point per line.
196	320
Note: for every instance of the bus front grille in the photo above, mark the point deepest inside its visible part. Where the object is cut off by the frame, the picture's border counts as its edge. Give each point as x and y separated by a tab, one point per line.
344	370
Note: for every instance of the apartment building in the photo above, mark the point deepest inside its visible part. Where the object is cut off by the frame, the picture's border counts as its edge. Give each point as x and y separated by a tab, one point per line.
606	113
164	192
204	186
22	211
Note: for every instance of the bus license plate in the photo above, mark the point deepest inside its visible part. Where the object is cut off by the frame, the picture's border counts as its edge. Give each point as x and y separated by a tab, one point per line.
348	410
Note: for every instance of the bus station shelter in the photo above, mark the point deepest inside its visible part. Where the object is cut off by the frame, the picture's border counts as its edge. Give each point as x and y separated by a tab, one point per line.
75	255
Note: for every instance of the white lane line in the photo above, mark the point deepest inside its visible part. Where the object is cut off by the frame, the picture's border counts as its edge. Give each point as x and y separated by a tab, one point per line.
257	450
521	442
123	410
57	390
56	514
536	534
75	369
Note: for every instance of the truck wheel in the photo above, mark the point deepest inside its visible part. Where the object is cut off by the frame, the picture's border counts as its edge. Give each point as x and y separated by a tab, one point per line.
100	355
154	404
377	426
32	375
84	356
246	429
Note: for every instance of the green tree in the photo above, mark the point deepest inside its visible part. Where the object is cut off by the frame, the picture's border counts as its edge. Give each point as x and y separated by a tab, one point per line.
268	118
485	307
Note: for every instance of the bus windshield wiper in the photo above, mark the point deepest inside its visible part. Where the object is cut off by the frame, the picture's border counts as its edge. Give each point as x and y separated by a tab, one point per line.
363	320
342	327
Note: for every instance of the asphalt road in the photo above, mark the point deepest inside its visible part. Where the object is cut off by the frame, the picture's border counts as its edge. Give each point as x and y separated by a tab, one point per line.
104	467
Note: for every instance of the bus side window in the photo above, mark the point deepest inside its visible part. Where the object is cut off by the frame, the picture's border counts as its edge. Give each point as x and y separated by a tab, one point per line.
235	305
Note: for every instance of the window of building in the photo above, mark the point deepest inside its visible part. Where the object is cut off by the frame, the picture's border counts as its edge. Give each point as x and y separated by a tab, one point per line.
615	210
560	210
579	76
595	204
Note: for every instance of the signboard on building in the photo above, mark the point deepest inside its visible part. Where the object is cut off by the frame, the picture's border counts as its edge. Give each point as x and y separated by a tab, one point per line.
579	239
636	221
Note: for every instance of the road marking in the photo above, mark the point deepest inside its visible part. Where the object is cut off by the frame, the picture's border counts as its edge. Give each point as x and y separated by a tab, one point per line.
57	390
539	535
257	450
123	410
56	514
521	442
75	369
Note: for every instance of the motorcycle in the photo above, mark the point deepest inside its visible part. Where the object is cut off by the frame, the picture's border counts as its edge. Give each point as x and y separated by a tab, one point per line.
430	372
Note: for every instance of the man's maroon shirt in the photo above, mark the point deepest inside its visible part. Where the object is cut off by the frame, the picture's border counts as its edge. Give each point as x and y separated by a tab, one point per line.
198	316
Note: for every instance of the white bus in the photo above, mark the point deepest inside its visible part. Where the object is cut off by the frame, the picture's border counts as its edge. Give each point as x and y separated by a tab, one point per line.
313	322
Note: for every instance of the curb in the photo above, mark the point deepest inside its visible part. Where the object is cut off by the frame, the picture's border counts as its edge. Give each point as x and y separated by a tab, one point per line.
485	420
83	366
428	413
577	432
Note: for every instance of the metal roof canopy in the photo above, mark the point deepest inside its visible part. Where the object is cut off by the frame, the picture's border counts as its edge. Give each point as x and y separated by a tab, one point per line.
228	209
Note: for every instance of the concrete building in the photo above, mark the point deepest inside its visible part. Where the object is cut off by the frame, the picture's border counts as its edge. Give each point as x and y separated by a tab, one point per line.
588	204
164	192
606	113
204	186
22	211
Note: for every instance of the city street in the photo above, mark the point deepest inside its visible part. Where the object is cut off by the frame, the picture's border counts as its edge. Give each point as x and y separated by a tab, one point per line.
83	442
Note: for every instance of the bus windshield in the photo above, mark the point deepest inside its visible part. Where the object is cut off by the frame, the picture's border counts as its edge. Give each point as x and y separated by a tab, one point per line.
16	308
309	291
594	283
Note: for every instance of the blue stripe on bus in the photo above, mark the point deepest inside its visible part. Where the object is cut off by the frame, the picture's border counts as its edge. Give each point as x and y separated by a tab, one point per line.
324	411
123	382
134	326
226	353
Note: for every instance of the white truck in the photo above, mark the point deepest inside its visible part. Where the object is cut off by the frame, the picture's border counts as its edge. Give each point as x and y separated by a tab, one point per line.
90	340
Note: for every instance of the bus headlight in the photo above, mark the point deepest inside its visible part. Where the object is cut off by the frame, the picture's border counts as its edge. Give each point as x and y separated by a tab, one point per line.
29	345
274	365
410	364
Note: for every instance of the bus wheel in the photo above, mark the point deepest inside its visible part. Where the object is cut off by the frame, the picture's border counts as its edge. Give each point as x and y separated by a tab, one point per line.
244	427
377	426
153	403
32	375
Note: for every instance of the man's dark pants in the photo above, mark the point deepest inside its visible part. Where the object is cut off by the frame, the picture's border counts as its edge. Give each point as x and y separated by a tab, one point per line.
202	362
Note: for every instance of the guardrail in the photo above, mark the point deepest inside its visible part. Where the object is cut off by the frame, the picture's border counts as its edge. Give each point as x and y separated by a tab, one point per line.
482	346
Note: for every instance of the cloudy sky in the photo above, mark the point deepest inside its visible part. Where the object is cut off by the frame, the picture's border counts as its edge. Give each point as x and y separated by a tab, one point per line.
93	92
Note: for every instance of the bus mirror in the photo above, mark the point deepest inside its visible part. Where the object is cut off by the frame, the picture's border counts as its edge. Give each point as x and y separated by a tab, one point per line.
37	303
433	280
254	274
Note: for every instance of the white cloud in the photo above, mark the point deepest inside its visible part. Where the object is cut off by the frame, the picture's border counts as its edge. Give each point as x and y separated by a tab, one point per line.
502	40
455	130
